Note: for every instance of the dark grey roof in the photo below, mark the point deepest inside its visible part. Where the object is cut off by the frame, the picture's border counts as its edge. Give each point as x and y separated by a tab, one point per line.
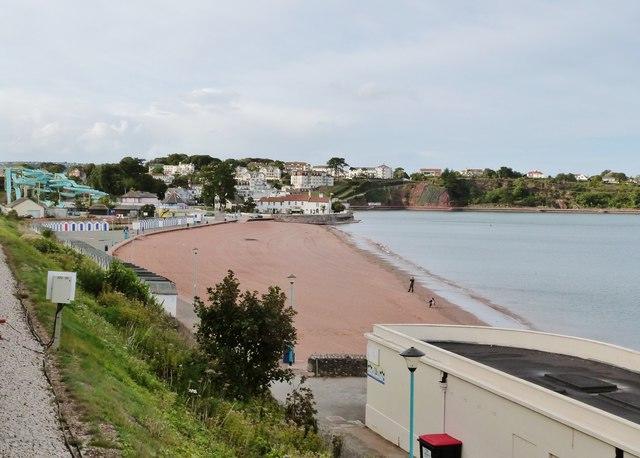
140	194
604	386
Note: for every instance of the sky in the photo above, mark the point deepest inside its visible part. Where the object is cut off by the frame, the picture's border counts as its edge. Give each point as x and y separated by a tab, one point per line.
548	85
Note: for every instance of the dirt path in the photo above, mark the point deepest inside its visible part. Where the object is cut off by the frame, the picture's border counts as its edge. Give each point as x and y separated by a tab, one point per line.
28	421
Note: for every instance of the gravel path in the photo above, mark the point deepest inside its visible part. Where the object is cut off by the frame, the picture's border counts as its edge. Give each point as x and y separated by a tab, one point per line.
28	422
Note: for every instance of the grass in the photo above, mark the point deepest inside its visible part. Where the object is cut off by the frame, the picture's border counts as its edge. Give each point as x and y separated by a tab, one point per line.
128	370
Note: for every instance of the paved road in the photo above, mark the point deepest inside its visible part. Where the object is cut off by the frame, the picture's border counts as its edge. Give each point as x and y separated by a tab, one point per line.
341	404
28	422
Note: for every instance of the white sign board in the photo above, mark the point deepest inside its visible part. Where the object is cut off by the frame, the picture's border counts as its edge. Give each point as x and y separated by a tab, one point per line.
61	287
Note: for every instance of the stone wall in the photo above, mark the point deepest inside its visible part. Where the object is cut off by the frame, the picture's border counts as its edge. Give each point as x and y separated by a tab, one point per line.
331	218
337	365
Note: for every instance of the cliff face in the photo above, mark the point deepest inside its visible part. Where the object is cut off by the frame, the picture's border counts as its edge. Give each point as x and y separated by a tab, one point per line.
414	194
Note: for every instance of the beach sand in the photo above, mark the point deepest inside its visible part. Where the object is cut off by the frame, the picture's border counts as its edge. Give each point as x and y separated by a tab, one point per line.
340	290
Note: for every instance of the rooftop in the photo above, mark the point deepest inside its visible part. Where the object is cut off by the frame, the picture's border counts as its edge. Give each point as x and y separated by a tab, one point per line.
140	194
604	386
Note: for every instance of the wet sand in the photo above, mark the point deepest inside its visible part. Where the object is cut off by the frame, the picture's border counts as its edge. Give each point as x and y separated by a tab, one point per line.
340	290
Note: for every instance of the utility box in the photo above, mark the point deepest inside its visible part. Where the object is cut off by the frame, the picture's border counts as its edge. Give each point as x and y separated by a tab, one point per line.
61	287
439	446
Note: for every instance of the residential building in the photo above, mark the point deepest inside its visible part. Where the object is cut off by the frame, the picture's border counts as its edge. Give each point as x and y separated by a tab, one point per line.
270	172
308	204
166	179
536	174
610	179
472	173
505	392
138	199
177	197
581	177
431	172
310	180
383	172
296	166
180	169
77	173
26	207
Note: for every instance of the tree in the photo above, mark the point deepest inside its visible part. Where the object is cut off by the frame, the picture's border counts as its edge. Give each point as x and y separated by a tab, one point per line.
80	203
249	205
400	174
337	206
180	181
244	336
508	172
300	407
489	173
200	161
337	164
218	181
148	210
457	188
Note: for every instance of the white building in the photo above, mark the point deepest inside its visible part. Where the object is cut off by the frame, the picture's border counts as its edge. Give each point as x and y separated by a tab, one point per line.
26	207
537	174
472	173
506	393
383	172
139	198
166	179
581	177
310	180
609	179
296	166
430	172
307	204
180	169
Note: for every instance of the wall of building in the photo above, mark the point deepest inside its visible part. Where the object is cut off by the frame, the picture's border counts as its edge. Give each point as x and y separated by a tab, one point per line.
490	424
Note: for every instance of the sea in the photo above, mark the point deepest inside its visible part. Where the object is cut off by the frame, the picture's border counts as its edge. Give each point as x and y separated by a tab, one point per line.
575	274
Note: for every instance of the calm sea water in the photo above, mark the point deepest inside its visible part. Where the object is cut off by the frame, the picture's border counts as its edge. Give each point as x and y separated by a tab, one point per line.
566	273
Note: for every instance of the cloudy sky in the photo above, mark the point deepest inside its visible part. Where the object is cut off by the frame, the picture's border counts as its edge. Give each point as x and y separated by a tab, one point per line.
553	85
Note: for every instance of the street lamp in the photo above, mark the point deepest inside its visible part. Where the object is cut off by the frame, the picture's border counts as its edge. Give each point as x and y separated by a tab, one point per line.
195	270
411	357
292	279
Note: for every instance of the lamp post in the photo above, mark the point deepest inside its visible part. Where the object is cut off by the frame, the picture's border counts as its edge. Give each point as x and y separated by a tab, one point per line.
292	279
195	271
411	357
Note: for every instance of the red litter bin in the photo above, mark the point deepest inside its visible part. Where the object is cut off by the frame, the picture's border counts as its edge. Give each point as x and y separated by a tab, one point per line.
439	446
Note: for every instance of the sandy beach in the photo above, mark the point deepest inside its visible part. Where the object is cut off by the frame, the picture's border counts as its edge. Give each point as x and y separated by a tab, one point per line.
340	290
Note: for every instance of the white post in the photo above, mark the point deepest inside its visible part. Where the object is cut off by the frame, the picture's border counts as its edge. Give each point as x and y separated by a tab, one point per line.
195	271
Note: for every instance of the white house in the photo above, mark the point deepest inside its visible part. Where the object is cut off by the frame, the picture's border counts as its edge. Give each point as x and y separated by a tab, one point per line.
505	393
381	171
27	207
254	185
296	166
472	173
139	198
310	180
537	174
581	177
610	179
430	172
307	204
180	169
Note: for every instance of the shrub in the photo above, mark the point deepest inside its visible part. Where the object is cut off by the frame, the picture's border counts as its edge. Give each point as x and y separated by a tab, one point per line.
47	233
91	277
300	408
45	245
121	278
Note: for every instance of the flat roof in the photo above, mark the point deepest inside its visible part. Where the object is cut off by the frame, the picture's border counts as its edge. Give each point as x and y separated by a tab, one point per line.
607	387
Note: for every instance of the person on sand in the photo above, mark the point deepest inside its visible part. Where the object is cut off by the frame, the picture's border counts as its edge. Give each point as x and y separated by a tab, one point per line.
411	282
432	302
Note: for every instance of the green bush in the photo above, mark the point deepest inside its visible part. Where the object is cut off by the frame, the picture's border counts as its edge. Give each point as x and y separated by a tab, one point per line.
90	277
121	278
46	245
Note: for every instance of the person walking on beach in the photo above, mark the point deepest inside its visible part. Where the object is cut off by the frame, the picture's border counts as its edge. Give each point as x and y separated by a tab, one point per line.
411	282
432	302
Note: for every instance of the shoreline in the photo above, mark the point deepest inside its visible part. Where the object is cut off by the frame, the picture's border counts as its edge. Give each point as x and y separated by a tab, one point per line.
376	256
576	211
340	292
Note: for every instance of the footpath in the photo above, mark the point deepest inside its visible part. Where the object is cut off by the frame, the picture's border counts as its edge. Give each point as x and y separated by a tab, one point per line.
29	424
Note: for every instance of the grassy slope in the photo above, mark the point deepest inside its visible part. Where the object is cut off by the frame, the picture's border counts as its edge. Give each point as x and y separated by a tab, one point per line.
107	374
